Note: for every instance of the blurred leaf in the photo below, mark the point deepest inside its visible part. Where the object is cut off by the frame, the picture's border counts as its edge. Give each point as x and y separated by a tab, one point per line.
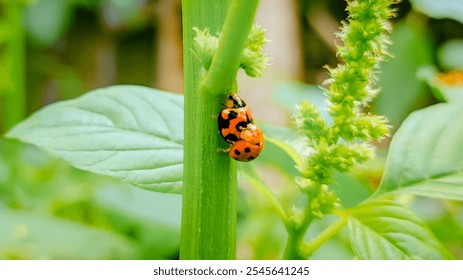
425	156
333	250
89	4
401	90
47	20
383	230
261	233
350	190
154	240
5	31
442	218
250	174
153	219
122	12
440	9
32	179
29	236
131	133
287	140
337	247
450	54
291	95
68	83
156	207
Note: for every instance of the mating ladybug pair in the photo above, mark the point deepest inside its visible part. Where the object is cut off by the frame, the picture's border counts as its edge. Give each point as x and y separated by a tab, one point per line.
236	126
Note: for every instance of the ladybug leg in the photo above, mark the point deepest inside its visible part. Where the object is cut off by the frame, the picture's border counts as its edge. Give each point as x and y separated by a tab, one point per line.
223	150
214	116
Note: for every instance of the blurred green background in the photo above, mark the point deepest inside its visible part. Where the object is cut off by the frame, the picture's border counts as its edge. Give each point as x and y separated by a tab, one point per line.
53	50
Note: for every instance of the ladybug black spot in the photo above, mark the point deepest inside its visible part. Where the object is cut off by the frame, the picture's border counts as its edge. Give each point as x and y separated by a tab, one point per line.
232	115
240	125
223	123
250	158
247	150
237	152
230	138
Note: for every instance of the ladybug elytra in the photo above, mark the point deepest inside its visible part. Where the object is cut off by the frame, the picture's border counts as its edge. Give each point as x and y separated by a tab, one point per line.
250	146
233	118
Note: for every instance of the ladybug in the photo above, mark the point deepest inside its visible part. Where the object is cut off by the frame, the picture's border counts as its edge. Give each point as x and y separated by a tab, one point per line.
233	118
250	146
252	134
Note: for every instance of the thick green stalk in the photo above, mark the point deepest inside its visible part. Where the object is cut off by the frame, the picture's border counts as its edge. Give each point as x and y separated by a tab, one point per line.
210	187
14	94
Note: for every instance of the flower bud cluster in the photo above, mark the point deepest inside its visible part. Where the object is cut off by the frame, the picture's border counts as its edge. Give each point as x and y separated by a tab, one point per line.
344	142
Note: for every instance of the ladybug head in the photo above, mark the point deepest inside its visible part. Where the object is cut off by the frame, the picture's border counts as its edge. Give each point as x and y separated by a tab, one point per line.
234	101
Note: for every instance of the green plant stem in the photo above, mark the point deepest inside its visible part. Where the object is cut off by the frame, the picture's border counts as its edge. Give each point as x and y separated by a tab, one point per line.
323	237
222	73
210	187
14	110
267	193
296	235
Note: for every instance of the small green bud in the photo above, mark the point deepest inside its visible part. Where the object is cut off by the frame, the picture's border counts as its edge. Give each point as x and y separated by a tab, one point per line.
204	47
309	121
372	127
324	202
296	216
308	186
254	61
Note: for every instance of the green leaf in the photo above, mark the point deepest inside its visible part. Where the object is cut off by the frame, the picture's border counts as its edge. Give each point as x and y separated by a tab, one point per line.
46	30
123	13
440	9
425	155
385	230
30	236
350	190
131	133
401	90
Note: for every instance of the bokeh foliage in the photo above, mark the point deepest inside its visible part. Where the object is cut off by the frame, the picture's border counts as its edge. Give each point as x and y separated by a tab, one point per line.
49	209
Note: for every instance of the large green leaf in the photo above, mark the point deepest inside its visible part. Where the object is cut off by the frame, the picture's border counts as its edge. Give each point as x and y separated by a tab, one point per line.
30	236
426	155
385	230
440	9
131	133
